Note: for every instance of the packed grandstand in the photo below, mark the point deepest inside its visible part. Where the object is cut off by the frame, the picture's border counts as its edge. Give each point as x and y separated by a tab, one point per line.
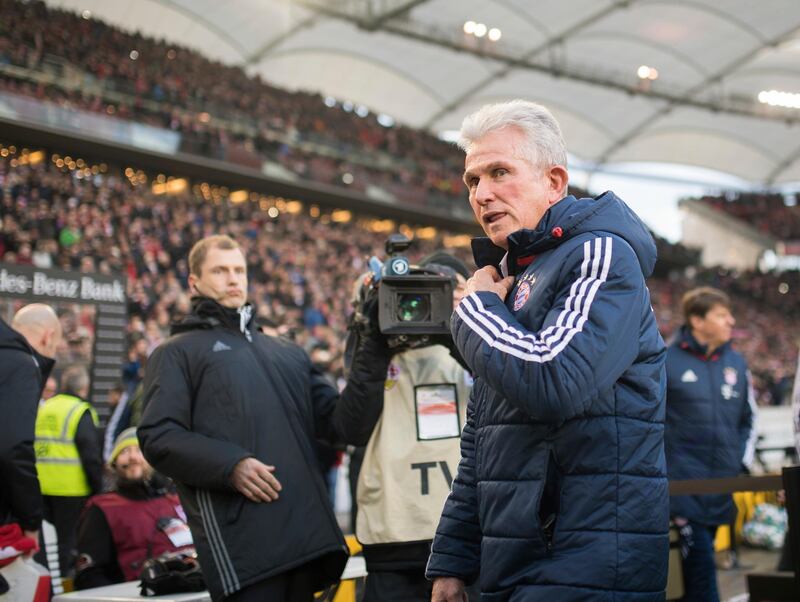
310	186
303	260
56	212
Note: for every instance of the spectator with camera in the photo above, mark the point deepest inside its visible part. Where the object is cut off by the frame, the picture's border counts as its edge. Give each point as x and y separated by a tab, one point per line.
139	519
411	430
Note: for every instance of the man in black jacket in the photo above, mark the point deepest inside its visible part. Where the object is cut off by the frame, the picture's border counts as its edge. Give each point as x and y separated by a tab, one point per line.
232	415
26	351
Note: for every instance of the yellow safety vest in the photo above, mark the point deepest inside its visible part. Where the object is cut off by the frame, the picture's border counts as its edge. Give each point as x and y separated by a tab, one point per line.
57	461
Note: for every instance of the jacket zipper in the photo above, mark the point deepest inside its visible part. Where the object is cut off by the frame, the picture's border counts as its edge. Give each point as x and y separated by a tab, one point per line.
322	495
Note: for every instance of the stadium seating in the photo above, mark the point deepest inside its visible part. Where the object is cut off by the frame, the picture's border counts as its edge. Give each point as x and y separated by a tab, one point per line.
302	260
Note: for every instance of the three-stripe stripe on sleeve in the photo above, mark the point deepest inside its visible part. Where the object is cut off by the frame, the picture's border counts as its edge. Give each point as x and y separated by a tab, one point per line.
550	342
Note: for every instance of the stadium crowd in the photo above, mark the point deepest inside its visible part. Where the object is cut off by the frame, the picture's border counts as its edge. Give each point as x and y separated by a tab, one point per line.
769	213
219	110
302	267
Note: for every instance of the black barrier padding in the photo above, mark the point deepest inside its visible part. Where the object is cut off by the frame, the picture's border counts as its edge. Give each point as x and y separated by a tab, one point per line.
725	485
791	485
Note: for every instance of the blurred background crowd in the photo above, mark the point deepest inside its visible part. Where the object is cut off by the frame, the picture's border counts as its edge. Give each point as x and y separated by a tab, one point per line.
303	264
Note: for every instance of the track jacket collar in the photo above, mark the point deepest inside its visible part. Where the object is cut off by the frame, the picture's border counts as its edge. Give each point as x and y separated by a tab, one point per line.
11	339
207	313
688	342
566	219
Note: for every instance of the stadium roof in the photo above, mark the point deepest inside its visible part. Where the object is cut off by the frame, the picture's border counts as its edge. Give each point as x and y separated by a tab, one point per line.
415	61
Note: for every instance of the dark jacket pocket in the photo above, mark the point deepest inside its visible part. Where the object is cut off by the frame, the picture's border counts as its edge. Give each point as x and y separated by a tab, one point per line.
550	502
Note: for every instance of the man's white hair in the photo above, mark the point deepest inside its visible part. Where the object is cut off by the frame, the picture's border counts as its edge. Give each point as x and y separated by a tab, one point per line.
544	146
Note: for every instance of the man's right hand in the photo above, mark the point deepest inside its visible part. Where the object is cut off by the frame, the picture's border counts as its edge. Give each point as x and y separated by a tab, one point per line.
448	589
489	279
255	481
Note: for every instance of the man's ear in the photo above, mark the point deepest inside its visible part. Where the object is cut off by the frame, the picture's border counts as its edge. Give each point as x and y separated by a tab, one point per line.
192	281
558	176
46	338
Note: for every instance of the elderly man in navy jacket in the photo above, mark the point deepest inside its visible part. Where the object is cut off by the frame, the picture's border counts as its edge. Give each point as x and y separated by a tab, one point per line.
710	426
561	492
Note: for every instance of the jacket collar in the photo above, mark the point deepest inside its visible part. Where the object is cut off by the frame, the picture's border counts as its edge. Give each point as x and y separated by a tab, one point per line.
45	364
525	245
688	342
11	339
143	489
566	219
207	313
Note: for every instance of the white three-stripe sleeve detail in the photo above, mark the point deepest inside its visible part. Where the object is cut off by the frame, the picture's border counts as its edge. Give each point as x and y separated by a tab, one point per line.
500	335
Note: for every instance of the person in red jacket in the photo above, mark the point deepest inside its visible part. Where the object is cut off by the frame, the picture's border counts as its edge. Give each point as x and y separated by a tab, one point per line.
140	519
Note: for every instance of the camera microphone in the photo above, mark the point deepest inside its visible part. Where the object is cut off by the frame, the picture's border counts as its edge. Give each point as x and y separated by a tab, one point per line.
376	267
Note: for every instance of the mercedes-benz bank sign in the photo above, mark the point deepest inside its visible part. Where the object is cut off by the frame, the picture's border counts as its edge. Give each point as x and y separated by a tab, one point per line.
29	282
105	292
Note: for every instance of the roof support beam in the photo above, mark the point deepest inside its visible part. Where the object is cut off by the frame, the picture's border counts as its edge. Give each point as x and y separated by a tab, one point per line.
206	23
651	119
524	60
270	45
790	160
366	14
538	60
402	7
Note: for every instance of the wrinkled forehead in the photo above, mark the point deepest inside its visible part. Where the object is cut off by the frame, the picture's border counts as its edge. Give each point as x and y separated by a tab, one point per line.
507	144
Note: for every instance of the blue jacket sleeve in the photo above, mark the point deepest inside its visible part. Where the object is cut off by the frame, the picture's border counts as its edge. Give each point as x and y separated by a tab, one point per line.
456	547
747	425
589	337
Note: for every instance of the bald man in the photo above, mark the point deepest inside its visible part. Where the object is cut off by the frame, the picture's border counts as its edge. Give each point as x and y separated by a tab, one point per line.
27	348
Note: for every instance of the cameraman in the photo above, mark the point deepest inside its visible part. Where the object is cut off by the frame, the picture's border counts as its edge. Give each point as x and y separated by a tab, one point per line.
412	432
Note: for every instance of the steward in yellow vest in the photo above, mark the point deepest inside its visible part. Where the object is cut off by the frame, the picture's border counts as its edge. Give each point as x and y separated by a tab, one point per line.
58	462
69	460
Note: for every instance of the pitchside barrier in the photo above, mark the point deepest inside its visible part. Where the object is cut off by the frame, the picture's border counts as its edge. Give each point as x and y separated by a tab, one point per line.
769	586
763	587
344	591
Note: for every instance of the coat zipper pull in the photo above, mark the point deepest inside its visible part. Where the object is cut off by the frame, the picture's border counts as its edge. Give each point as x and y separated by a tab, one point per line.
548	529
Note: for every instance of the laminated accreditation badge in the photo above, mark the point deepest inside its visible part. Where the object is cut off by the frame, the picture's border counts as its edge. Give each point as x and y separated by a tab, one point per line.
177	531
437	412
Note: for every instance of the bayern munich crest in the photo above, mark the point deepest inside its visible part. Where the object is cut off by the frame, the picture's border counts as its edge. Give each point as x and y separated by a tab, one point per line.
523	292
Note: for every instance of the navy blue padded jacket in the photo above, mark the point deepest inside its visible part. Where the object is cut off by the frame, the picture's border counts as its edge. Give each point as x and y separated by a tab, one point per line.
710	429
561	492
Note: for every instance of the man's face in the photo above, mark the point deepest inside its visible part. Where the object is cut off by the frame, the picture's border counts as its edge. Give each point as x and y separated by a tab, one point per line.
131	465
507	192
715	328
223	277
